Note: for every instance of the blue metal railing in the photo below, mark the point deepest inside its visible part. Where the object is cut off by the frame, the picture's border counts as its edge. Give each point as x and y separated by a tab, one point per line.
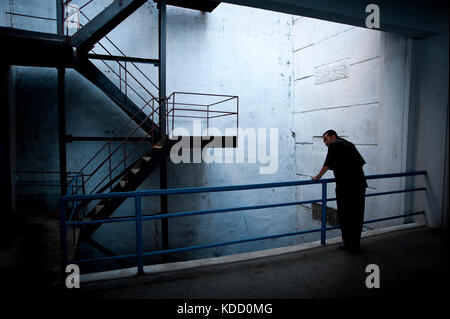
138	219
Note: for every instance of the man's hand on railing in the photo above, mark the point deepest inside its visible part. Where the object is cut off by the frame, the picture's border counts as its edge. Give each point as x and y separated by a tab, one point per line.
322	171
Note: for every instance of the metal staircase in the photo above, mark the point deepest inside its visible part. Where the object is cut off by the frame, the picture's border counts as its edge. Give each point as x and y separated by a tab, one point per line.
114	168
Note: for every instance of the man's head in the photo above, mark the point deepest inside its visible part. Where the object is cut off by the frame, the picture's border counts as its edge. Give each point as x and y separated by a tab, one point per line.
329	137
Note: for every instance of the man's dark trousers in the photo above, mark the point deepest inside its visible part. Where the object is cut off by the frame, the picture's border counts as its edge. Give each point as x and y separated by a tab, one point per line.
350	210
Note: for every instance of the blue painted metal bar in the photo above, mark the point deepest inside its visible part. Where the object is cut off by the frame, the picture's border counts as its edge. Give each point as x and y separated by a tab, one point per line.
183	249
392	217
239	241
323	235
225	210
100	221
382	219
79	261
139	250
195	190
404	174
397	192
138	219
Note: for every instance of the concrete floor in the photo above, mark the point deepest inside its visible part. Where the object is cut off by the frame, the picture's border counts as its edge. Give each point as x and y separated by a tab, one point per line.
413	263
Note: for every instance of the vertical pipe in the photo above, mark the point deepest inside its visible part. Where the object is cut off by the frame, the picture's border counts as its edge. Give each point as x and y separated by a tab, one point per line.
60	16
162	62
61	105
62	130
162	112
63	235
140	260
324	214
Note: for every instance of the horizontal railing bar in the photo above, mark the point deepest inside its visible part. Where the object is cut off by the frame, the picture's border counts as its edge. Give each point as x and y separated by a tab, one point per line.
71	138
100	221
231	98
195	190
226	210
189	116
205	94
388	193
30	184
392	217
222	115
231	209
206	111
396	175
79	261
97	56
41	172
395	192
239	241
30	16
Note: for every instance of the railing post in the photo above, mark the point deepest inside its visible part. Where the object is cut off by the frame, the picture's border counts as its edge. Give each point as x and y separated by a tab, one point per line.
109	160
173	112
139	251
323	236
63	236
207	120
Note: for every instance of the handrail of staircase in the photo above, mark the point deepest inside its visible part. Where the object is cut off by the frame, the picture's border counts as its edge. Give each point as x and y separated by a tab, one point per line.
112	138
123	54
171	101
111	170
111	153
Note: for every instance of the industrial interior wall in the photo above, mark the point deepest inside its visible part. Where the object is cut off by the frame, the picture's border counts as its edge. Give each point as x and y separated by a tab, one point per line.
429	128
245	52
233	50
355	81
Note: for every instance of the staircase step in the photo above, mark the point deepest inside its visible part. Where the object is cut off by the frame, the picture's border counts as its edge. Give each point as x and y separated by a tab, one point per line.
123	183
146	158
135	170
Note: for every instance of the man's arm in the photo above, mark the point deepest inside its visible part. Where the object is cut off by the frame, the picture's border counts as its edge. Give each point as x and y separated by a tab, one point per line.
322	171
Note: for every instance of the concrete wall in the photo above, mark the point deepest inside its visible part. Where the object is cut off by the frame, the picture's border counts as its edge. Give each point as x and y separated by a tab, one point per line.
244	52
352	80
44	9
234	50
428	136
7	141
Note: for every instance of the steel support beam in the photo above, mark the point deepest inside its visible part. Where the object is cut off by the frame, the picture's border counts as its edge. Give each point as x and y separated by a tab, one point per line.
85	38
162	112
61	105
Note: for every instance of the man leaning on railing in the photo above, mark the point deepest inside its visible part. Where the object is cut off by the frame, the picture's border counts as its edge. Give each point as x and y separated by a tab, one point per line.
346	163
